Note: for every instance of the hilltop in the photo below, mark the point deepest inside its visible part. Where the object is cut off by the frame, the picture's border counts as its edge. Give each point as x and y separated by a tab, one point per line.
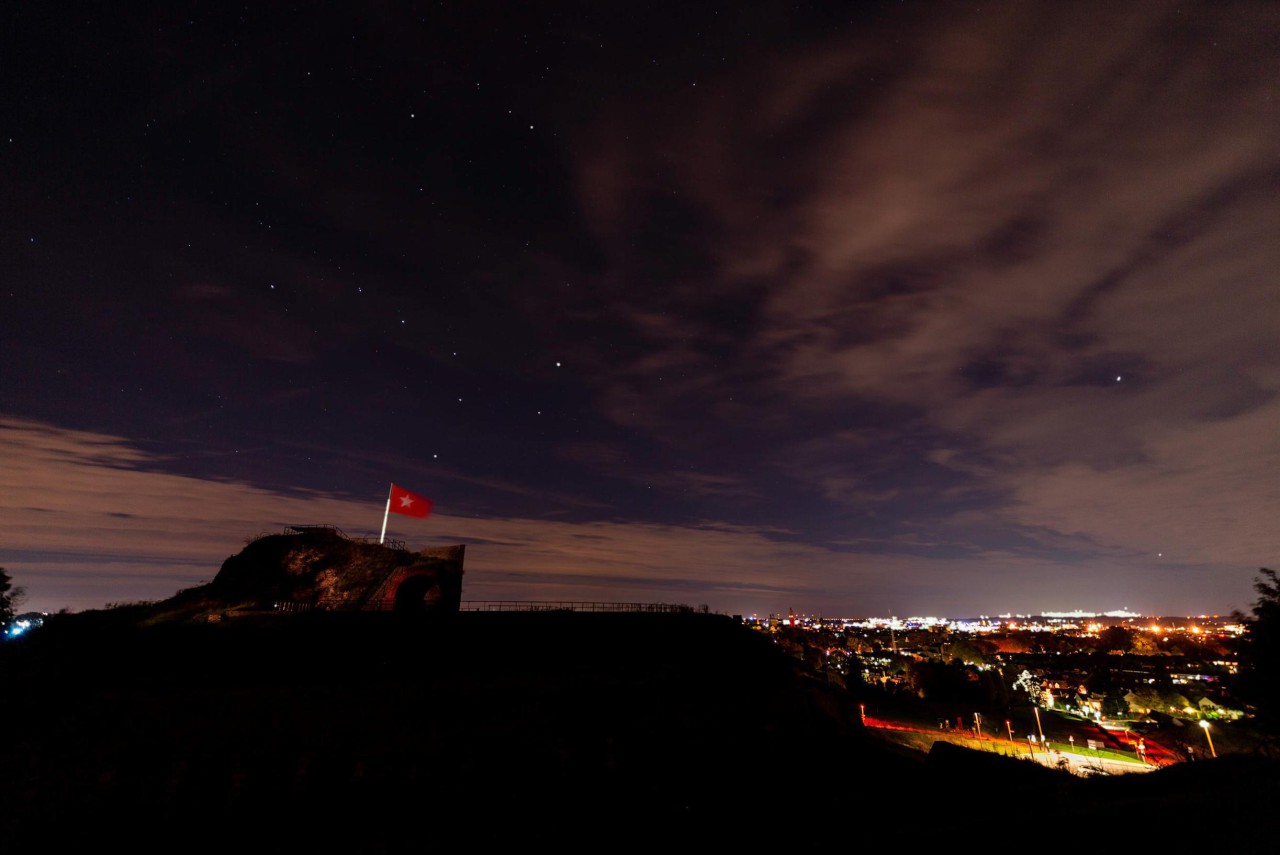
327	691
314	567
507	724
347	731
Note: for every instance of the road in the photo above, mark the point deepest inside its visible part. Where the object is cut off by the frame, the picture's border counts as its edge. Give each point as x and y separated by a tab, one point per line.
1083	762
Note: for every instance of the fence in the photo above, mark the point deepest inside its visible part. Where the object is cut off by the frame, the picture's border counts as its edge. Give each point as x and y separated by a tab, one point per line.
508	606
572	606
332	529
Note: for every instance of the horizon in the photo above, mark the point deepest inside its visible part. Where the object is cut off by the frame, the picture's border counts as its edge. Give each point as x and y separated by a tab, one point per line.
871	307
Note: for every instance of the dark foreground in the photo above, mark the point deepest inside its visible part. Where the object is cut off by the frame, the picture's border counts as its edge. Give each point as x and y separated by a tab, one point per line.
371	733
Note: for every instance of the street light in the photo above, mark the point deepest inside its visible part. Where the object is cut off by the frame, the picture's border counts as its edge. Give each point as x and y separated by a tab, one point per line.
1036	710
1205	725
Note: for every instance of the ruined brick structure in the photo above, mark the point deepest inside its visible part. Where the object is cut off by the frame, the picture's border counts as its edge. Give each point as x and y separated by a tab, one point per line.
433	583
313	567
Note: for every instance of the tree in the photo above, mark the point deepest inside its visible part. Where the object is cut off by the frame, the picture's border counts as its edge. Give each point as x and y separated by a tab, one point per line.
1259	682
1114	705
1030	684
1115	638
9	599
1147	697
1175	703
995	690
1143	644
945	682
970	651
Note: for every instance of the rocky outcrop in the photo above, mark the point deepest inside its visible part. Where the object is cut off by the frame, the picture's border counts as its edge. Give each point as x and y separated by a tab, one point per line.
307	568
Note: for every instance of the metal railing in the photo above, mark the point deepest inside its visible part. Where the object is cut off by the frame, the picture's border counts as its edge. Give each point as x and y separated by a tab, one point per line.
293	530
505	606
389	543
572	606
306	529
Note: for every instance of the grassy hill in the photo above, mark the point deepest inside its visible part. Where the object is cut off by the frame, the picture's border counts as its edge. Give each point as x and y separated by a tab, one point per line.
347	732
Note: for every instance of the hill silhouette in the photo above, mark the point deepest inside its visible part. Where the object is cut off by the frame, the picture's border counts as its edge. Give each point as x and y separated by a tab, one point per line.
281	705
358	731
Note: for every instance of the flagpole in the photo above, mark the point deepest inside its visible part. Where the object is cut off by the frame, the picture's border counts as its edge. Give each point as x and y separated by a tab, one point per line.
386	514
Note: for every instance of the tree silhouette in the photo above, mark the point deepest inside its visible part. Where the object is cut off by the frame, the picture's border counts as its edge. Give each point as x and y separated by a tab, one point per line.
1115	638
9	599
1259	682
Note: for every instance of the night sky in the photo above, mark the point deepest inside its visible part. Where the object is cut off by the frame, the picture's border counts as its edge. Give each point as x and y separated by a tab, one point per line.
854	309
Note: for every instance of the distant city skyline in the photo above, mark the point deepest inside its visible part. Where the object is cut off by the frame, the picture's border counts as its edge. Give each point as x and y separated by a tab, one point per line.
993	619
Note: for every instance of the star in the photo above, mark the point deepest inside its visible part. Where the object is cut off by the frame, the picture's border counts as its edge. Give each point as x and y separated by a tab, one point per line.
406	501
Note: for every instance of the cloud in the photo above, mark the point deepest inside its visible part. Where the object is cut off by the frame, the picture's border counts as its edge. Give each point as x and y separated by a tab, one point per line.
1206	495
975	232
88	519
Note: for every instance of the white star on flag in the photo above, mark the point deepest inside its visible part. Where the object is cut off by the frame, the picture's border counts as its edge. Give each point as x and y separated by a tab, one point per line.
402	501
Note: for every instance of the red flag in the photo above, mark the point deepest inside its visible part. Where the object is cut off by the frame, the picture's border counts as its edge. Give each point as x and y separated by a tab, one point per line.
409	504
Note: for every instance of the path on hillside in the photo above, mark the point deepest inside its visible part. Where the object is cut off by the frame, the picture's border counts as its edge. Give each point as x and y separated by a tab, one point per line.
1079	762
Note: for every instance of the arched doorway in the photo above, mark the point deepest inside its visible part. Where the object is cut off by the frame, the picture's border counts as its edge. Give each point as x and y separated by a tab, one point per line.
418	594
